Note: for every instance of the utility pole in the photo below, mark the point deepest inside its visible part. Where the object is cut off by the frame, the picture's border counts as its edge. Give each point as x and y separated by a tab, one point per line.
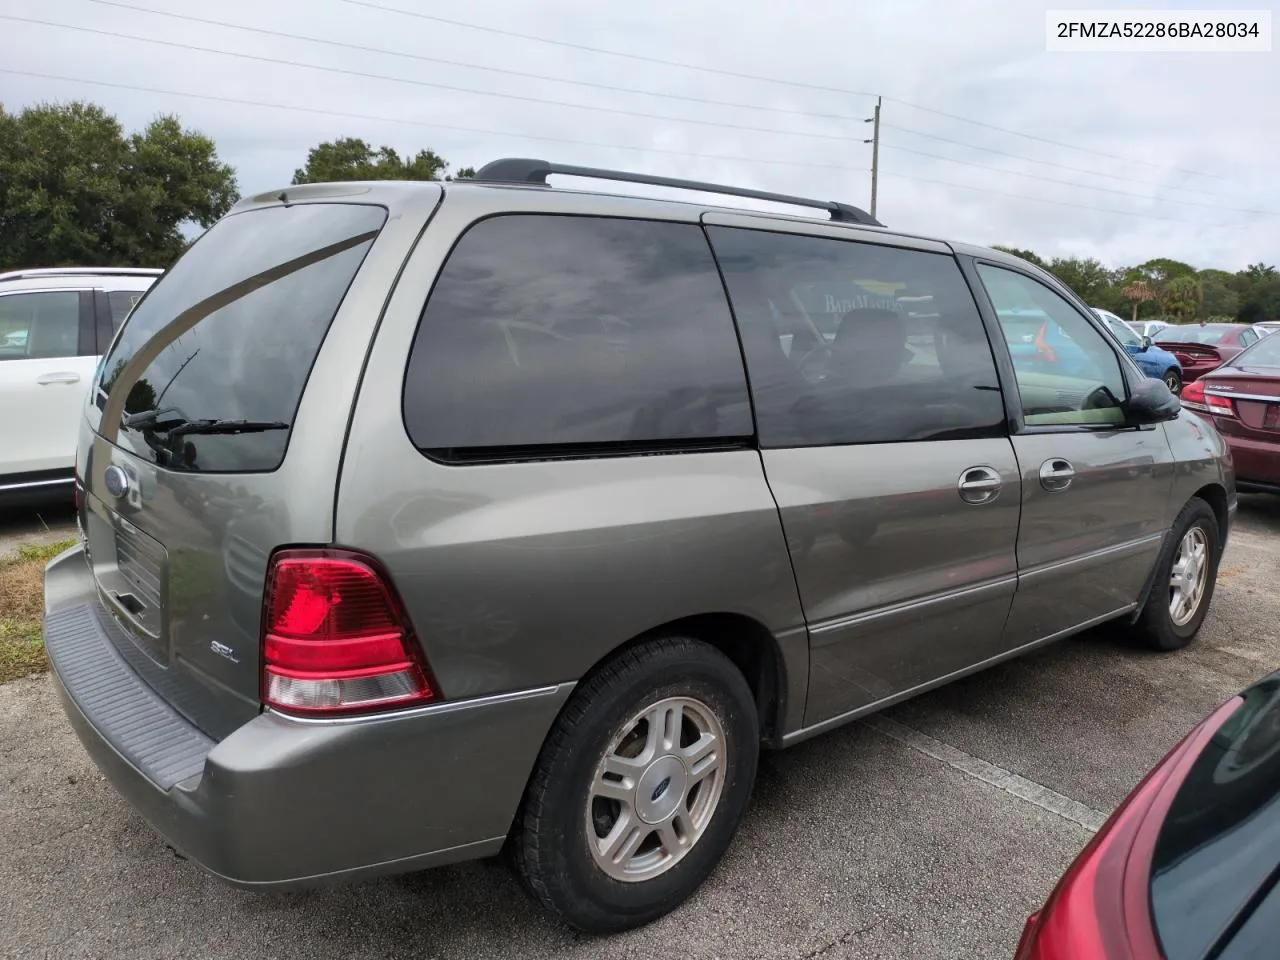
875	152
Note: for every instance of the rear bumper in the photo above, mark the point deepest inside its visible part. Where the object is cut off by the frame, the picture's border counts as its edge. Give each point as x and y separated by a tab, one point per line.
1194	371
283	802
1257	462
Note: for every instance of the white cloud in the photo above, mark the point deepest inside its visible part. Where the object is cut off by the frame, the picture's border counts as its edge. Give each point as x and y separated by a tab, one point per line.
985	61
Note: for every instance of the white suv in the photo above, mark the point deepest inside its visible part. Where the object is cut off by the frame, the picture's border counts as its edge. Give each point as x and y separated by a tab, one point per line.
54	325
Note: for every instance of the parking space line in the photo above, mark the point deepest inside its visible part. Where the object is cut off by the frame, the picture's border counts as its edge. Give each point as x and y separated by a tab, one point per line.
1006	780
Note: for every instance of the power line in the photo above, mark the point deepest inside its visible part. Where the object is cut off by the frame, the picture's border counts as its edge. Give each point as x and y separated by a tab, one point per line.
1067	203
344	71
751	76
1072	183
280	61
616	89
1053	143
344	45
237	101
1042	163
420	123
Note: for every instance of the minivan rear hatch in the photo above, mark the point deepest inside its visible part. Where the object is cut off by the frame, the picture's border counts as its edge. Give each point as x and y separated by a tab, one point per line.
183	497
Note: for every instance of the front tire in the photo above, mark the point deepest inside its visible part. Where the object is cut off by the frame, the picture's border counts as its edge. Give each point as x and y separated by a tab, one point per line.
1173	380
640	786
1185	575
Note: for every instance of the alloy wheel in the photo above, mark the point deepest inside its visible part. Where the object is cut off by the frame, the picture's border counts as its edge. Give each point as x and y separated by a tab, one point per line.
1188	577
656	790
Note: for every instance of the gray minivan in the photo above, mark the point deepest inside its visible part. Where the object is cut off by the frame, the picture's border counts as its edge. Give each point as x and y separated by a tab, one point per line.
489	515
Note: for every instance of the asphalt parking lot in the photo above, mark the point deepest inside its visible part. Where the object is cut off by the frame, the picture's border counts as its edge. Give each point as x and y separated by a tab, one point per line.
929	832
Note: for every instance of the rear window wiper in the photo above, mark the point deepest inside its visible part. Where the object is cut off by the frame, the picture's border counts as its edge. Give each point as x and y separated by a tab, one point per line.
178	425
227	426
151	419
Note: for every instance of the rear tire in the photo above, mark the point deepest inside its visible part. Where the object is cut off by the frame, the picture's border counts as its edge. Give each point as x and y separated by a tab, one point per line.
1173	380
1185	575
605	772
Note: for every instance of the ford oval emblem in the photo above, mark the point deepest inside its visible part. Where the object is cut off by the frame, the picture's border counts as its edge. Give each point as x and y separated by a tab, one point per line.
116	481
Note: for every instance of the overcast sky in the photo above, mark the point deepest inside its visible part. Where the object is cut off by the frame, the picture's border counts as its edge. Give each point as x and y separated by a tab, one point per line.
1171	116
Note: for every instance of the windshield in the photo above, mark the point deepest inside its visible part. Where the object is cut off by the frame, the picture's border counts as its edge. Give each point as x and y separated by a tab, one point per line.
1122	332
209	368
1192	334
1264	353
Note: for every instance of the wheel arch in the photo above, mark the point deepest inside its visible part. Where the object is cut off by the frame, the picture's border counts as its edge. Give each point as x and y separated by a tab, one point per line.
749	645
1213	494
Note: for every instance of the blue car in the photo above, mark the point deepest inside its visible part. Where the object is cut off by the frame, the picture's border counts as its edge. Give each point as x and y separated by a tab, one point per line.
1038	344
1153	361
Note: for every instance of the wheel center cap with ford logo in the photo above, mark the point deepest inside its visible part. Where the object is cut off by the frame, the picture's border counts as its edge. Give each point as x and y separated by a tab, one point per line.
116	481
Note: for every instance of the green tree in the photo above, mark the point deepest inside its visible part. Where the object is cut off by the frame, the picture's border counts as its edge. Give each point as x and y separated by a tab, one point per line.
1258	286
466	173
1217	296
1256	272
1159	272
74	190
1027	255
1180	298
1086	276
350	158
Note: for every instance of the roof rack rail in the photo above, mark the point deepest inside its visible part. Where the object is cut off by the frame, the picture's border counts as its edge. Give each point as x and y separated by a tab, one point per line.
81	272
521	170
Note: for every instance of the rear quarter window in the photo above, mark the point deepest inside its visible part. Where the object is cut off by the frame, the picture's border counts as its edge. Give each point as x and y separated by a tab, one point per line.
566	336
230	334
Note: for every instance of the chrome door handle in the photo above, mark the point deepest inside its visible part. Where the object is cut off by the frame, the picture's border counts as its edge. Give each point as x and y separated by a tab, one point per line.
979	485
1056	474
47	378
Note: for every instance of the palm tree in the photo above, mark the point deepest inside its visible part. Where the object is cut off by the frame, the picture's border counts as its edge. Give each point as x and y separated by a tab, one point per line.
1139	293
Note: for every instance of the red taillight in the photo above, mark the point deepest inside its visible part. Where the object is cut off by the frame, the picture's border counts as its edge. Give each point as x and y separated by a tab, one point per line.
1196	397
1101	908
336	638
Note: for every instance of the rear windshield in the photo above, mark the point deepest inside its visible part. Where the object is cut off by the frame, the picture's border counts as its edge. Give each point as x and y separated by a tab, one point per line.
1192	334
1265	353
214	359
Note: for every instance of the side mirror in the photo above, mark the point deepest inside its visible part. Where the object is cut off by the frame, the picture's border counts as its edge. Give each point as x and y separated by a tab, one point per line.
1147	342
1151	402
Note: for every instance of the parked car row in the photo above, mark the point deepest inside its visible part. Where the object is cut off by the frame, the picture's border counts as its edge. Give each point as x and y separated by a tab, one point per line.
1154	361
1242	399
1201	347
55	324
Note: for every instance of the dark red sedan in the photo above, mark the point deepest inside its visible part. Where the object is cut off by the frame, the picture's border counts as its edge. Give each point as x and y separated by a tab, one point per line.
1188	868
1243	399
1200	347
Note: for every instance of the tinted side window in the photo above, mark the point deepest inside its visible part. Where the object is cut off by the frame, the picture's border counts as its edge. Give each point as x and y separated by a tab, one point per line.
40	325
256	295
1067	374
552	332
850	342
121	302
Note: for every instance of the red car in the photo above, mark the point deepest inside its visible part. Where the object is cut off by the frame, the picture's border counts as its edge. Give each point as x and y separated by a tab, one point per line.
1200	347
1242	398
1188	867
